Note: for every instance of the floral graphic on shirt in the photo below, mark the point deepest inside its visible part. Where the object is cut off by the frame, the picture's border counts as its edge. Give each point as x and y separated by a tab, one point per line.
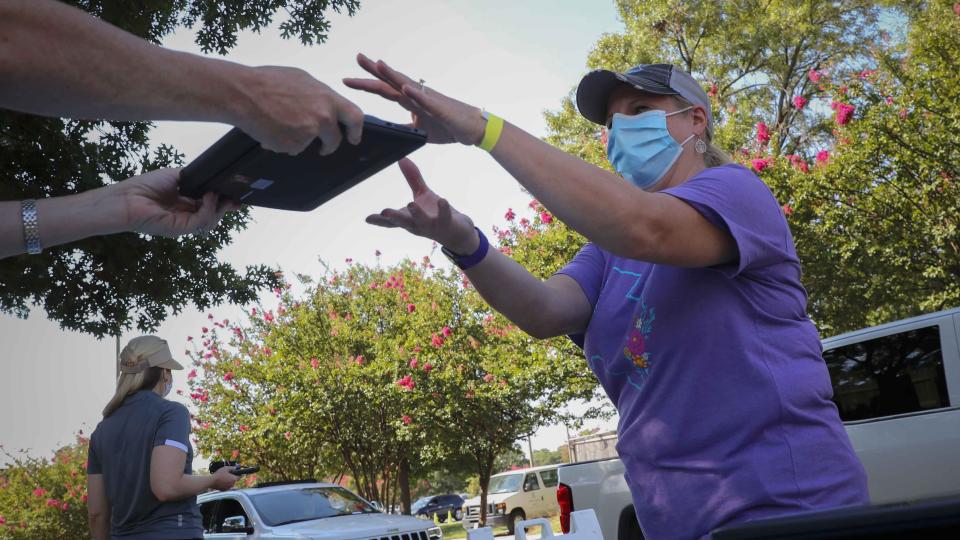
635	351
634	361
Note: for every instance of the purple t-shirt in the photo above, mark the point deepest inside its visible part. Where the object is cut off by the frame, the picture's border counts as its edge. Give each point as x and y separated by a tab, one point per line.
724	398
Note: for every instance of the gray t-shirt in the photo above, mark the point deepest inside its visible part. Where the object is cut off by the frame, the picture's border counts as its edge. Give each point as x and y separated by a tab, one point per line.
120	450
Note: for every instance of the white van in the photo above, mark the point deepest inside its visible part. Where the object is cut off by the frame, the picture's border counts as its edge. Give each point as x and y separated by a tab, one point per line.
514	496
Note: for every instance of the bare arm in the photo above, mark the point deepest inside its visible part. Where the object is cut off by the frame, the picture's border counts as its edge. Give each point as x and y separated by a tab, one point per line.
609	211
56	60
541	308
98	508
148	203
169	483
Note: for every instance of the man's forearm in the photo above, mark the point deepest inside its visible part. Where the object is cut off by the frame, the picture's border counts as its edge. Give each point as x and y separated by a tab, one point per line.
61	220
56	60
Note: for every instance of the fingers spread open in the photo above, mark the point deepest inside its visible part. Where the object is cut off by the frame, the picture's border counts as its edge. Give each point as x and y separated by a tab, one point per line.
413	176
373	86
427	101
444	214
380	221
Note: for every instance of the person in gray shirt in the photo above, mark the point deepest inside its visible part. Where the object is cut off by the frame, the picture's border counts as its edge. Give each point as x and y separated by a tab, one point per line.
140	480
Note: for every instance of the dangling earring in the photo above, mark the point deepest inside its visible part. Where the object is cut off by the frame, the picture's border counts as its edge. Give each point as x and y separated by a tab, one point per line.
700	146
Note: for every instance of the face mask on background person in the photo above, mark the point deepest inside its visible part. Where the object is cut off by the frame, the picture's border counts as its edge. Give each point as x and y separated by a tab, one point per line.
641	148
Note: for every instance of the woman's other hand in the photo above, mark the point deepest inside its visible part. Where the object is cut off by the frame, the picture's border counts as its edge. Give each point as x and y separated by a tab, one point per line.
223	479
429	215
445	119
150	204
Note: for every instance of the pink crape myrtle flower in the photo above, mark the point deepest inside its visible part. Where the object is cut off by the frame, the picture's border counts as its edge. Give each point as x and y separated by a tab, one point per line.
760	164
799	102
844	111
763	133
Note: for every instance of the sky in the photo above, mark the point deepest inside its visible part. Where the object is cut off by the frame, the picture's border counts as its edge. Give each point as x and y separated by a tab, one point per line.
516	59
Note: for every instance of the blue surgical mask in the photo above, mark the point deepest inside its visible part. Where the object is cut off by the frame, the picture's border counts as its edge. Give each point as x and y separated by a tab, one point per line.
641	148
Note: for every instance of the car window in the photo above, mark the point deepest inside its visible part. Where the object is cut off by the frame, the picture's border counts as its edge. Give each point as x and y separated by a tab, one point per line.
230	509
208	512
894	374
530	483
505	484
549	477
304	504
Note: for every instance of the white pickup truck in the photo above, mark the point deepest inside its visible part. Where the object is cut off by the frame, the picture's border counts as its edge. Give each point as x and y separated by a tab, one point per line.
897	387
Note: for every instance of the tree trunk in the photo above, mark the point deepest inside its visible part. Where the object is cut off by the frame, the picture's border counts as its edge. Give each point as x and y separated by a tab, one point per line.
487	470
404	479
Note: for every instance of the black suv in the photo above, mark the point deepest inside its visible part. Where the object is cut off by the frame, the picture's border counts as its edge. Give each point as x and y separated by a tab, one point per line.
441	506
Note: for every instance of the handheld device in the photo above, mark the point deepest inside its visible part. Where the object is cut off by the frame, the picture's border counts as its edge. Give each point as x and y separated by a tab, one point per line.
237	167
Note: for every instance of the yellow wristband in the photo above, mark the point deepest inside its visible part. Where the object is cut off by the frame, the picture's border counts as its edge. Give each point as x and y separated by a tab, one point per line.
491	134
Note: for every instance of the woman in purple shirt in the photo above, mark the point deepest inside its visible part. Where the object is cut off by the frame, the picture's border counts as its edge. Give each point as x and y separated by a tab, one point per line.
686	299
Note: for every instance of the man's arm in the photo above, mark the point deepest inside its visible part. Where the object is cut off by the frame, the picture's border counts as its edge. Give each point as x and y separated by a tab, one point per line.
56	60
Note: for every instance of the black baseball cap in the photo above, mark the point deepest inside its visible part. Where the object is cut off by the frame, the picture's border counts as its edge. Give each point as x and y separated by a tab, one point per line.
594	89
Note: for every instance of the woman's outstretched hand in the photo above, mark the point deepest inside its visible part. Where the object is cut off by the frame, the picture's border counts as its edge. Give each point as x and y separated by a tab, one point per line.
429	215
445	119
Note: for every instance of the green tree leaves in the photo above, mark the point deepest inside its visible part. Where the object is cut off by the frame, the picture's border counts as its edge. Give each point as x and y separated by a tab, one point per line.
379	373
103	285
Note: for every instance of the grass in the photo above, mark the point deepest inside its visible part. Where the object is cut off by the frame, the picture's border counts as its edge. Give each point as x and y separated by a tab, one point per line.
455	531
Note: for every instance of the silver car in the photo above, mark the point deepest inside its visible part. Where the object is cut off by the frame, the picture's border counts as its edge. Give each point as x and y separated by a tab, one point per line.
304	510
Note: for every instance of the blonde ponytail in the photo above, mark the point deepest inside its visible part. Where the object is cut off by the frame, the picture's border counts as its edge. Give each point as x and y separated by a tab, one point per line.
131	383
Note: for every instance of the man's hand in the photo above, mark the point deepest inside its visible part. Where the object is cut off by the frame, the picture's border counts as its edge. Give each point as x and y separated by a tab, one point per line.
288	109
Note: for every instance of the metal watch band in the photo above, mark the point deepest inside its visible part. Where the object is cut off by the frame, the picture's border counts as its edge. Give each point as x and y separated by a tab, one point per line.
31	226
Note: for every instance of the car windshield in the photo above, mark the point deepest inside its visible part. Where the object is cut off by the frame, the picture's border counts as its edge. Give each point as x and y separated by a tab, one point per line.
420	503
505	484
290	506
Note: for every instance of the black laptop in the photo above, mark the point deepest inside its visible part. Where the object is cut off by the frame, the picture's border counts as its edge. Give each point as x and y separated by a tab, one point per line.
238	168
